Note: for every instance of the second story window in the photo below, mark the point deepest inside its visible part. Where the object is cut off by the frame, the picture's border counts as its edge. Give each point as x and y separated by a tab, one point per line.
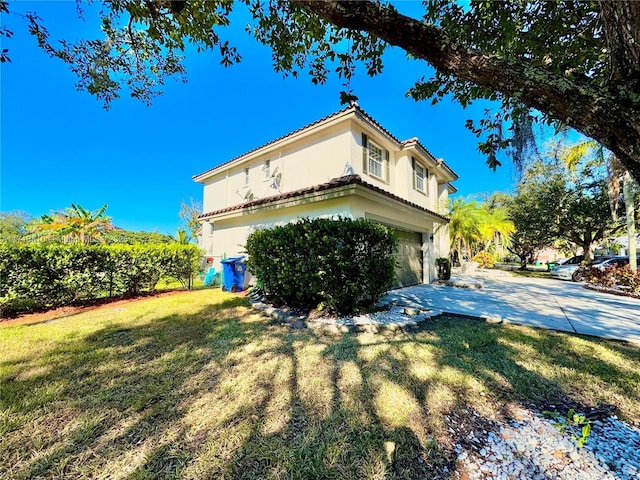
246	176
375	160
420	176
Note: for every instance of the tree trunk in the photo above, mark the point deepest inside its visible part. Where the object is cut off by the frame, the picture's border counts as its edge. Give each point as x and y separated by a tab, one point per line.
609	113
587	251
631	224
523	262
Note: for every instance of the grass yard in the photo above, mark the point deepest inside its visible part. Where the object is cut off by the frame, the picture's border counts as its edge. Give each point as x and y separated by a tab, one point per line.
198	385
532	273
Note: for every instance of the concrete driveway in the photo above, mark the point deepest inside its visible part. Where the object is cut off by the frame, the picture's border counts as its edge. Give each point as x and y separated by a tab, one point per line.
544	303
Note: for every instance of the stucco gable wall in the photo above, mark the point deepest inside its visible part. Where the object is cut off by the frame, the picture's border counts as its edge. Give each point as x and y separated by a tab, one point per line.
311	160
400	179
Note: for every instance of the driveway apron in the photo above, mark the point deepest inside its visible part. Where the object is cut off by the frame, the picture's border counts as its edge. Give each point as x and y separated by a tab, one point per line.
543	303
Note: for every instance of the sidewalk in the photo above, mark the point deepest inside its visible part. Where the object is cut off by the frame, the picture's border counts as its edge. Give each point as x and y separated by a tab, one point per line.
543	303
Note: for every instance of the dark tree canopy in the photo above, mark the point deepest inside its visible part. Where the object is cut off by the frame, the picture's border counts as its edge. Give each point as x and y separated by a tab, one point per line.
554	204
573	63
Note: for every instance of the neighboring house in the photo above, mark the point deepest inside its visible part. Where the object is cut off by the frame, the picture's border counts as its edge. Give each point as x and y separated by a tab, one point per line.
345	164
623	241
549	254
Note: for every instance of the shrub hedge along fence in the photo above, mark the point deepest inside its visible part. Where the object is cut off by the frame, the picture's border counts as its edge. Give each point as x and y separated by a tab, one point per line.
36	276
342	265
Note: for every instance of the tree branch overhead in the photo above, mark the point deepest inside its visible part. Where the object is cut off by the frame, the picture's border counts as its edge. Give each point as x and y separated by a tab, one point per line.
607	113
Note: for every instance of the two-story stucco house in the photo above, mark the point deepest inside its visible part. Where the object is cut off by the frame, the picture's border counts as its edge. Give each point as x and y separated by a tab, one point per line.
345	164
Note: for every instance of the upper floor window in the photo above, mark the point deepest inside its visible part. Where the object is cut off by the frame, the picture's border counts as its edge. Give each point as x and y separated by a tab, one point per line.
246	176
375	159
267	168
420	176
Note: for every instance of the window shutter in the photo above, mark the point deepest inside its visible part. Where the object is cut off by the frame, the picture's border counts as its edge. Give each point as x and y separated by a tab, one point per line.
365	153
386	166
413	171
426	181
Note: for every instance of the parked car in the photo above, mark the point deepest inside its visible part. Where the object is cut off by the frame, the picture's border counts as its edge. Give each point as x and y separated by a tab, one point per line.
615	262
570	270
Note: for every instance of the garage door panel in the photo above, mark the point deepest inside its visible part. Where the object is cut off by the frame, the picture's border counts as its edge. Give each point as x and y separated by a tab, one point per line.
409	268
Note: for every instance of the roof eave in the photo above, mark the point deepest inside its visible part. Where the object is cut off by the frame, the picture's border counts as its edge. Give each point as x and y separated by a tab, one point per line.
351	181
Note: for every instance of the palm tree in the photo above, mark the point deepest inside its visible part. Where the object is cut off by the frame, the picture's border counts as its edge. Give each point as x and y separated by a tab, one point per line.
182	237
465	218
495	228
74	225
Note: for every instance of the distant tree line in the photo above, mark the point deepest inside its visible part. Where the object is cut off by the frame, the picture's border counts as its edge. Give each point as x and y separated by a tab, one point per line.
77	225
571	199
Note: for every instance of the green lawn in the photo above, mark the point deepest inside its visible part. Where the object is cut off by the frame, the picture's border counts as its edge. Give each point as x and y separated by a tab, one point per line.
198	385
532	273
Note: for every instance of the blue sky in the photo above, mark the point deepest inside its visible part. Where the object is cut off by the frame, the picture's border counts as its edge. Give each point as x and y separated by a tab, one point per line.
59	146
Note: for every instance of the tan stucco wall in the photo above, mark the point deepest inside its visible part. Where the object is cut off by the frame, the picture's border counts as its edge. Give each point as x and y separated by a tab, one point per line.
316	158
312	160
391	184
230	235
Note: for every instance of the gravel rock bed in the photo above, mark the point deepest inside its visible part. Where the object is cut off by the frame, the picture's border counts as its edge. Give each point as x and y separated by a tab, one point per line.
532	448
391	316
465	282
395	315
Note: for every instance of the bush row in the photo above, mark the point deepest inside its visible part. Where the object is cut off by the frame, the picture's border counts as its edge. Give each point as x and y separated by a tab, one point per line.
614	277
342	265
34	276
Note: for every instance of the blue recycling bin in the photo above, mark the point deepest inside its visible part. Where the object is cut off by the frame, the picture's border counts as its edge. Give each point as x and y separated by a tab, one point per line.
233	270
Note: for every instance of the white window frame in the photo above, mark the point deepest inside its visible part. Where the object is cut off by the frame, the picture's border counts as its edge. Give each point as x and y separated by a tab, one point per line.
372	161
421	179
267	168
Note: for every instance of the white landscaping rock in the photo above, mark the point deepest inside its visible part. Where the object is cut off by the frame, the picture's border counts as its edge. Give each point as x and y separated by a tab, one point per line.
465	282
534	448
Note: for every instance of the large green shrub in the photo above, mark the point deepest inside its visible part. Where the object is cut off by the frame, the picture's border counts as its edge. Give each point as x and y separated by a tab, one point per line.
343	265
49	275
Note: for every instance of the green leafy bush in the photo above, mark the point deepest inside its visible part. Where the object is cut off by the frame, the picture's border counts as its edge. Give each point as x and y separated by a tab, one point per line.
484	259
343	265
36	276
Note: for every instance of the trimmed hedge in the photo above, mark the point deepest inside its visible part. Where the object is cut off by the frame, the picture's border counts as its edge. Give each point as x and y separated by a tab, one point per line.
342	265
36	276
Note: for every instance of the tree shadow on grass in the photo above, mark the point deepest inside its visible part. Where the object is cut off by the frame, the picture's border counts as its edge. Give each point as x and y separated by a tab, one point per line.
398	420
116	390
224	393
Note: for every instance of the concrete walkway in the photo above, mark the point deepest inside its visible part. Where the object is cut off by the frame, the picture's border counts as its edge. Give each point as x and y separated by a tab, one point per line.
544	303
